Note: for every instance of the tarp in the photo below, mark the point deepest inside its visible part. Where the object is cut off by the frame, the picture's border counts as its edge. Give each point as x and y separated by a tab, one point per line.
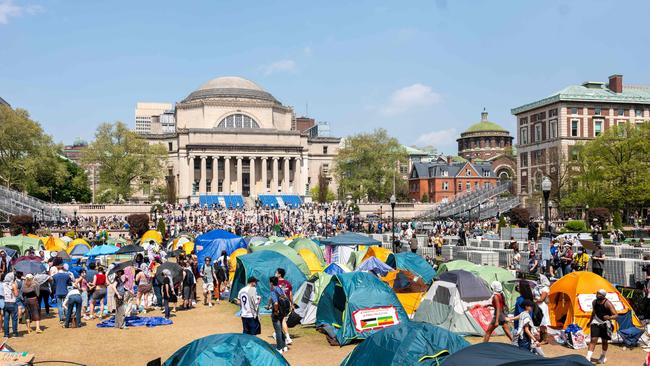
571	296
262	265
21	243
312	261
137	321
232	261
501	354
212	243
504	276
288	252
471	287
412	343
358	304
102	250
374	265
229	349
334	269
454	265
306	243
350	238
151	235
412	263
75	243
54	244
307	296
378	252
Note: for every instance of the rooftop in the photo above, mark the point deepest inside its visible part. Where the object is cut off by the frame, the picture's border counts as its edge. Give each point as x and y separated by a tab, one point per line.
230	87
485	126
3	102
441	168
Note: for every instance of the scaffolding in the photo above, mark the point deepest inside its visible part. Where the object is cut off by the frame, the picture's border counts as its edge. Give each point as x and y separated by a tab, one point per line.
16	203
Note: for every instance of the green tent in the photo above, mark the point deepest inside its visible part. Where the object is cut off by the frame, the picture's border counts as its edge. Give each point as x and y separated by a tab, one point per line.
358	304
412	343
21	243
262	265
306	243
227	349
356	257
413	263
308	295
504	276
457	264
286	251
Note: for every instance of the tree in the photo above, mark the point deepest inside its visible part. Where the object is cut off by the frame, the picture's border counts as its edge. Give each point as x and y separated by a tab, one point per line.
125	161
425	198
75	186
366	166
161	227
600	214
323	188
22	224
329	196
138	224
519	216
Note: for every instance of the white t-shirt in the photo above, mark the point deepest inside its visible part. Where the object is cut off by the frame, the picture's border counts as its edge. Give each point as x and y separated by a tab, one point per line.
247	297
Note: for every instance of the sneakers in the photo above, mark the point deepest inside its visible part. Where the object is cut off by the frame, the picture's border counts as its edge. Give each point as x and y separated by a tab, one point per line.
210	305
281	351
288	340
285	349
601	360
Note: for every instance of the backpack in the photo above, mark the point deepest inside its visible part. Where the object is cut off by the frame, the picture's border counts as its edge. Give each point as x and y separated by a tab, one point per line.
538	315
284	305
189	278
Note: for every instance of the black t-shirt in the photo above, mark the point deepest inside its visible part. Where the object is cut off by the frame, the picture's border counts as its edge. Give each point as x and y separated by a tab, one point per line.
597	264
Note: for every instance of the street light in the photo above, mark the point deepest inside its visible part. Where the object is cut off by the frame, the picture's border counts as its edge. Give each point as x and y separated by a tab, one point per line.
546	190
392	219
326	206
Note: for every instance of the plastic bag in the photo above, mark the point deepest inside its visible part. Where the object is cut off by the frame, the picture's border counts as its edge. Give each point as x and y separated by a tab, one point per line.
575	337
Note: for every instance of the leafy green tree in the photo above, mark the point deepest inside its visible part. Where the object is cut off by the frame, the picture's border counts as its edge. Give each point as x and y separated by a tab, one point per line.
74	186
367	166
328	197
125	161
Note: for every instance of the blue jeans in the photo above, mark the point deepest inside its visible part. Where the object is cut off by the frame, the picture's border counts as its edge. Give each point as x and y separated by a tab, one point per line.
279	335
73	301
566	269
59	306
10	310
166	306
158	293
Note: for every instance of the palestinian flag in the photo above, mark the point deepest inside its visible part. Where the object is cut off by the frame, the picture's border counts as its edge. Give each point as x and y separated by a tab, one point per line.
369	323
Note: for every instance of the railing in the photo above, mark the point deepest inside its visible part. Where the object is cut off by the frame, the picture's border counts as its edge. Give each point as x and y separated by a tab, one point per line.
463	203
17	203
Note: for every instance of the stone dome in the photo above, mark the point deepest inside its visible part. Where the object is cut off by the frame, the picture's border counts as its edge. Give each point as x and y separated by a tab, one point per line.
230	87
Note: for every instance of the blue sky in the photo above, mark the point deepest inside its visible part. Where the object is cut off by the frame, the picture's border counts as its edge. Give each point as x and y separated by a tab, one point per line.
423	70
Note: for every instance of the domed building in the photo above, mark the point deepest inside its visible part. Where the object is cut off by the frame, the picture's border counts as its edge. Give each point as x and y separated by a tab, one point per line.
488	141
234	138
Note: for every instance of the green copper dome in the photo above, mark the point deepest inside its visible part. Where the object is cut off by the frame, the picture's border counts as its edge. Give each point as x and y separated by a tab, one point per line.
485	125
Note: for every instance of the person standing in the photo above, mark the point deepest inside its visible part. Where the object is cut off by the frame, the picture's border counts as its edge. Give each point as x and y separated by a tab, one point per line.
600	323
598	260
209	278
120	292
189	282
499	317
288	291
167	295
249	304
277	295
98	285
72	302
438	243
221	272
10	310
413	243
61	282
566	258
581	260
30	297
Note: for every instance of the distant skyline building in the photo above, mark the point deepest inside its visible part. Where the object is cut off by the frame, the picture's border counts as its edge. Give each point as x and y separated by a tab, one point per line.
145	111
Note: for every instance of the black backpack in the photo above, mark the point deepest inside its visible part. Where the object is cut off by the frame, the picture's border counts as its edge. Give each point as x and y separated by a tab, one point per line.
284	305
538	315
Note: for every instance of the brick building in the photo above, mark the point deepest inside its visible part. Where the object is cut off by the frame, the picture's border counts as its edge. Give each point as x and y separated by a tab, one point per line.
443	179
549	128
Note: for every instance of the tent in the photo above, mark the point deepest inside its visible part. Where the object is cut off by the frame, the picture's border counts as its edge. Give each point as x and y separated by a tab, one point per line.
102	250
358	304
374	265
409	288
571	297
339	248
306	243
179	242
288	252
470	287
232	261
78	250
75	243
504	276
227	349
412	343
54	244
21	243
212	243
378	252
501	354
412	263
308	295
334	269
312	261
355	257
457	264
262	265
151	235
255	240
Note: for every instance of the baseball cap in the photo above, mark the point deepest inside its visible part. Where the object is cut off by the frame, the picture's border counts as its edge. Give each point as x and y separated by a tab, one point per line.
602	292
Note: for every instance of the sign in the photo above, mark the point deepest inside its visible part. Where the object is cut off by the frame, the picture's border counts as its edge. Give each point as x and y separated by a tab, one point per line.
374	318
546	248
586	300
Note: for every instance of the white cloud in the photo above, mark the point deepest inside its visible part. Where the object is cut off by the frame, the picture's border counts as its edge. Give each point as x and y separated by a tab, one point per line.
443	140
280	66
8	9
409	97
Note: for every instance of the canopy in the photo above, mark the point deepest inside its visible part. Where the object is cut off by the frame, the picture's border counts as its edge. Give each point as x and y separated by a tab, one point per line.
232	261
102	250
21	243
262	265
375	266
457	264
471	287
334	269
501	354
75	243
358	304
350	238
504	276
54	244
288	252
212	243
311	260
412	263
227	349
308	295
306	243
378	252
571	297
151	235
411	343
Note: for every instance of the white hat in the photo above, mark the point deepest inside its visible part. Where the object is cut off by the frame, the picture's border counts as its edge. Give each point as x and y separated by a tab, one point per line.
496	286
602	292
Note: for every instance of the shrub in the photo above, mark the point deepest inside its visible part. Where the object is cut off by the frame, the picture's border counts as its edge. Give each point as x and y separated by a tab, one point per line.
425	198
519	216
617	220
22	224
575	226
502	221
161	227
138	224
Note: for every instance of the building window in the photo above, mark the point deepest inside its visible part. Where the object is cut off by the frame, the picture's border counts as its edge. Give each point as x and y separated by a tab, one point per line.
574	128
538	132
445	173
460	186
523	121
638	112
621	112
475	185
170	146
238	121
598	128
324	150
553	130
597	111
468	173
523	158
574	110
486	173
445	186
523	135
468	186
552	113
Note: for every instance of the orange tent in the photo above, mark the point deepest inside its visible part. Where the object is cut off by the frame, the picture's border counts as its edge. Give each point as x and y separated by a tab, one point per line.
232	261
54	244
409	289
571	298
378	252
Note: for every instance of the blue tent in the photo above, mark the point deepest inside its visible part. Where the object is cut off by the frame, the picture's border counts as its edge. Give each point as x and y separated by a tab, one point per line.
262	265
350	238
501	354
102	250
79	251
412	343
335	268
375	266
212	243
227	349
412	263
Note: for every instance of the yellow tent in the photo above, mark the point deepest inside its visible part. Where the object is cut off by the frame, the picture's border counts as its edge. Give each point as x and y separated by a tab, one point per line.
54	244
76	242
232	261
34	236
311	259
409	289
151	235
378	252
188	247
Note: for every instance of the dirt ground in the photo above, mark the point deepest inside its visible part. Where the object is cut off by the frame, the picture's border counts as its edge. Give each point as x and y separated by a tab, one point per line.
90	345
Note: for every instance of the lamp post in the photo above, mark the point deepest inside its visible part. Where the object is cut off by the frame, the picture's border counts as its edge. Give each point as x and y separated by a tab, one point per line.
257	210
326	206
546	190
392	219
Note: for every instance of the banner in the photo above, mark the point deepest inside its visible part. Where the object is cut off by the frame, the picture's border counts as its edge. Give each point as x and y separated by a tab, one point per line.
374	318
586	300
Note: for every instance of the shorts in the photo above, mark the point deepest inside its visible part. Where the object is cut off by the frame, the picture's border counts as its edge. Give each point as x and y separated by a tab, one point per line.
600	331
187	292
208	286
84	299
99	294
251	326
144	289
501	321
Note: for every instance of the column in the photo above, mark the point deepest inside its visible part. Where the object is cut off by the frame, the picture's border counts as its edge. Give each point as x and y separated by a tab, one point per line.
214	187
240	176
285	180
183	177
297	178
226	175
190	191
274	179
251	176
202	181
264	177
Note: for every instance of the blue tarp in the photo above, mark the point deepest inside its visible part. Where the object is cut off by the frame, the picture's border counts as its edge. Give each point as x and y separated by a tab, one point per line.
375	266
334	269
350	238
102	250
212	243
137	321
